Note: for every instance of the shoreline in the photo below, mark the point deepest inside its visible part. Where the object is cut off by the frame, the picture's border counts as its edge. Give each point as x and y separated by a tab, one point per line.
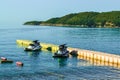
78	26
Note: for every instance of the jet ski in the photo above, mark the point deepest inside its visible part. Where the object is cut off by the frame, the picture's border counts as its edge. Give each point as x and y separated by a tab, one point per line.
35	46
62	52
38	48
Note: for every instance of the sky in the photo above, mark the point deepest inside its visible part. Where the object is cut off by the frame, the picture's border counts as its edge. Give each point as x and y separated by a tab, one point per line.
20	11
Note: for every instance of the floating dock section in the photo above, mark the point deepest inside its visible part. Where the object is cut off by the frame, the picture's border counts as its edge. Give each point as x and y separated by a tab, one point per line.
98	58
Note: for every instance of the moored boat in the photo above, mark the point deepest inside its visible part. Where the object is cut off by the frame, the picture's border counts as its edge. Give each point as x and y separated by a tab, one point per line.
35	46
62	52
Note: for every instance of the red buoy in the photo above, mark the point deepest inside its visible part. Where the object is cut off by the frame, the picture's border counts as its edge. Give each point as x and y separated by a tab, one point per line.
19	63
3	58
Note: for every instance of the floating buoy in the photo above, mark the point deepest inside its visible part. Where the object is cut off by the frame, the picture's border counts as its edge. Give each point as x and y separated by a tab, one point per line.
3	58
49	48
74	53
19	63
6	61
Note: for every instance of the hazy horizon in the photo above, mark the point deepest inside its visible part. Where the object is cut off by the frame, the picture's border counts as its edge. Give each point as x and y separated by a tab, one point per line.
18	12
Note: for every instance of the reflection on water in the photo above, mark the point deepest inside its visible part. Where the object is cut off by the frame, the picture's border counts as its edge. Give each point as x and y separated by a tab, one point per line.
33	53
61	61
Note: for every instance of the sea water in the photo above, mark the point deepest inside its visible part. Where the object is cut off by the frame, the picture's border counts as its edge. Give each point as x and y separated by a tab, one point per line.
42	66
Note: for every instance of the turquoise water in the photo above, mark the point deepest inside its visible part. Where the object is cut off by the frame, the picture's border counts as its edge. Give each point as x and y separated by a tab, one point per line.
41	65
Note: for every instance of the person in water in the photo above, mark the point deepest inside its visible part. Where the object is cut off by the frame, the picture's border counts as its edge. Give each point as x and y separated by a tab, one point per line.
62	50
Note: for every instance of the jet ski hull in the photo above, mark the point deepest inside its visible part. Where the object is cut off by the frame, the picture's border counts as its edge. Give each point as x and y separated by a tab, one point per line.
60	56
26	49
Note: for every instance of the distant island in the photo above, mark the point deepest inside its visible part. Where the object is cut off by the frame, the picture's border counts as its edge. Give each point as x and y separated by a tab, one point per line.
83	19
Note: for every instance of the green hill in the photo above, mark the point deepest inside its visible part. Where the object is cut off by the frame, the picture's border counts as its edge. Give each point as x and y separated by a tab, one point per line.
83	19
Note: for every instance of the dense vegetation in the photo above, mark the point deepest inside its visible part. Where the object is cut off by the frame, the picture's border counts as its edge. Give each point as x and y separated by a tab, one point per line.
84	19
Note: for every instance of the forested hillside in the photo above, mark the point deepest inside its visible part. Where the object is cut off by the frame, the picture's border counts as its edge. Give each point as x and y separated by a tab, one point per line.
83	19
